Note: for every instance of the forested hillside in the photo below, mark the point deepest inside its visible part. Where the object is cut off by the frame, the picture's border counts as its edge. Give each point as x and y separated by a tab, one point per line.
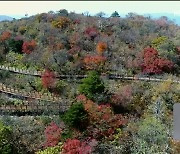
73	43
93	84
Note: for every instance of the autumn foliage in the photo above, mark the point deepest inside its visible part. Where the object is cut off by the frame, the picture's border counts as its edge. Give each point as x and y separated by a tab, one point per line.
75	146
52	135
48	79
55	47
103	122
101	47
153	64
91	32
29	46
92	62
61	22
122	97
5	35
97	112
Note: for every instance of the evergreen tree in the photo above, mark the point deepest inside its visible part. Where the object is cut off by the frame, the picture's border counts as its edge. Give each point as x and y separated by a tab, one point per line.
92	85
115	14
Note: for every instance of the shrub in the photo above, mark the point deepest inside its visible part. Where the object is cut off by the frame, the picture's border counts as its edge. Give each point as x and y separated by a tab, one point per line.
61	58
122	97
97	112
4	74
15	45
66	134
52	150
48	79
46	120
141	146
38	84
61	23
3	51
28	47
5	139
104	148
27	135
76	116
52	135
101	47
129	36
22	30
158	41
43	17
152	137
153	131
91	32
74	146
60	86
92	85
5	36
94	62
75	39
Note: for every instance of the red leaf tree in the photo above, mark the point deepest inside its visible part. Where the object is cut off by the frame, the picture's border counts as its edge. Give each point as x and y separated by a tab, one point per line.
153	64
48	79
103	121
74	146
91	32
52	135
29	46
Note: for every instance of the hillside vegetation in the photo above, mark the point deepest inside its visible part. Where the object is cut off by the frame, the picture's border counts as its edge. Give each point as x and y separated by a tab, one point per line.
103	116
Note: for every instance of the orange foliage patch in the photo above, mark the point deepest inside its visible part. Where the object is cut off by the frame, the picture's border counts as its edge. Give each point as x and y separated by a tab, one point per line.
101	47
5	36
92	62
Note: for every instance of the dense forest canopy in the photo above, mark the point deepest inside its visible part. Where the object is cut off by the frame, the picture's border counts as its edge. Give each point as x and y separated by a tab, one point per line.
73	43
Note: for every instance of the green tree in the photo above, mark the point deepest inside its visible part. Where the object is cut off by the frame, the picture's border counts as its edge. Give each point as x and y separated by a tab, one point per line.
5	137
15	45
92	86
63	12
152	137
76	116
115	14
